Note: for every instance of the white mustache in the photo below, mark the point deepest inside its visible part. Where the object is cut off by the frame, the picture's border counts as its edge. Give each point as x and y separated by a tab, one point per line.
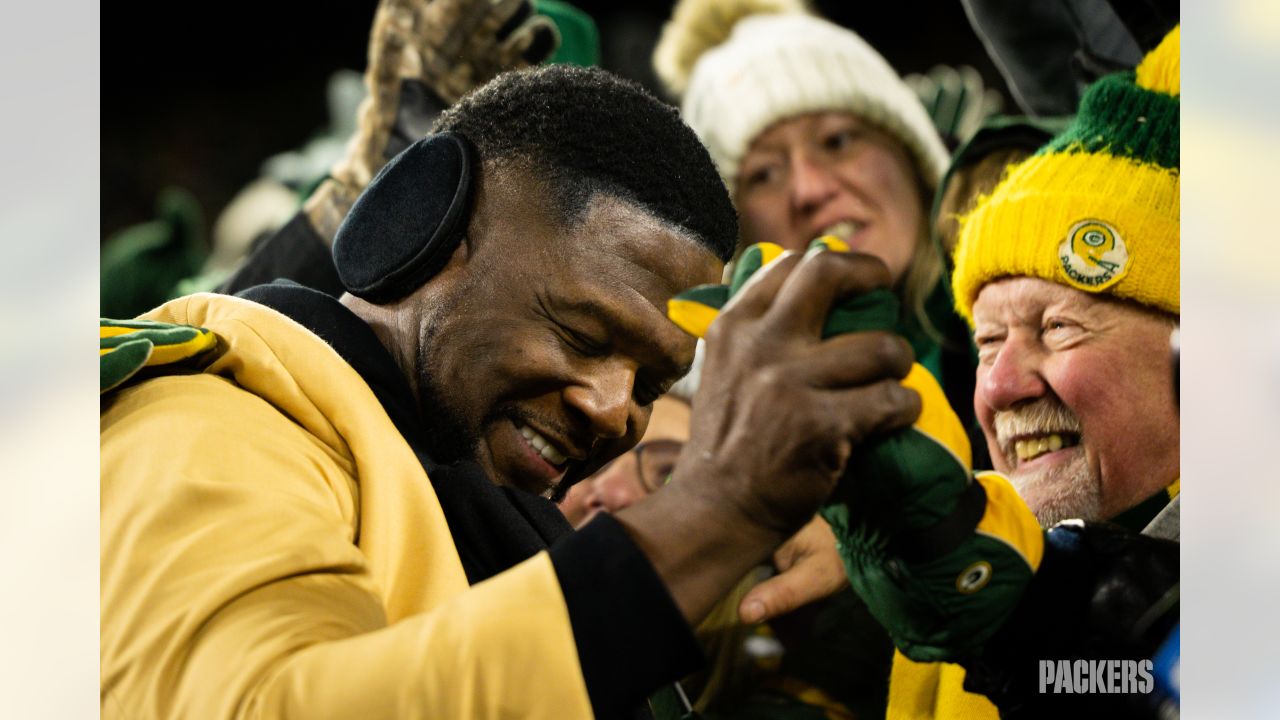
1046	415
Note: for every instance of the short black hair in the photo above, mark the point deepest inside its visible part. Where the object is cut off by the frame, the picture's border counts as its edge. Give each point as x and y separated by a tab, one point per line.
587	131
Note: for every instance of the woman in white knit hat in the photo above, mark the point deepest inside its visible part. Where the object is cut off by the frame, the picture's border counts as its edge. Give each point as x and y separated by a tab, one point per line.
812	130
815	134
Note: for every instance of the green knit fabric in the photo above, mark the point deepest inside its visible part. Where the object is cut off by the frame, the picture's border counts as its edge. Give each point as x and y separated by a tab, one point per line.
1119	118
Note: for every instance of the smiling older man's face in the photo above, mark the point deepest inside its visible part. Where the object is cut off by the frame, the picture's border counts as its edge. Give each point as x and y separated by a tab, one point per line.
1075	397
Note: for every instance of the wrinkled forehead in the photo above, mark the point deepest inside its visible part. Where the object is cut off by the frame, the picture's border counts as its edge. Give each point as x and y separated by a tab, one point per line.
1018	296
519	206
655	257
615	268
1010	299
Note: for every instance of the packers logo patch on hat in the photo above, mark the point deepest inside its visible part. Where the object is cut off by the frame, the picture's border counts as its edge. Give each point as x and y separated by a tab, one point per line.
1093	256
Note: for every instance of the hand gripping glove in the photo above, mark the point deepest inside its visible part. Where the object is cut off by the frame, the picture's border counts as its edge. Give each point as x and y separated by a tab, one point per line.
127	346
939	555
423	56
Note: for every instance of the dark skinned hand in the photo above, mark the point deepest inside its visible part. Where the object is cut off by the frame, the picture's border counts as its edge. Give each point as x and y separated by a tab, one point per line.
778	411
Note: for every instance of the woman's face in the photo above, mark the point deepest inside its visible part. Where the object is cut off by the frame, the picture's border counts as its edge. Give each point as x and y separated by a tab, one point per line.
637	473
831	173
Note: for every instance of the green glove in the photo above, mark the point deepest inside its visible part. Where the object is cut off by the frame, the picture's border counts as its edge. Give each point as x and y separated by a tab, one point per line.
956	99
940	557
694	309
127	346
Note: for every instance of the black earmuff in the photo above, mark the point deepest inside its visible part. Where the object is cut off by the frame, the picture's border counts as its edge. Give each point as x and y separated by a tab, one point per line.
405	226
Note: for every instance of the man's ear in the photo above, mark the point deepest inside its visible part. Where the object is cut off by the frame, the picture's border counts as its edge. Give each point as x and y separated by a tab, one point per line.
407	224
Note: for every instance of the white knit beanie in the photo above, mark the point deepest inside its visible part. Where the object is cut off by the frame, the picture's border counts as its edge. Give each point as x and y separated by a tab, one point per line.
775	66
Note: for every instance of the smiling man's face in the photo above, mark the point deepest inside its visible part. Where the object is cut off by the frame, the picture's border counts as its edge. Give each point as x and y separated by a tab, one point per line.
1075	397
540	348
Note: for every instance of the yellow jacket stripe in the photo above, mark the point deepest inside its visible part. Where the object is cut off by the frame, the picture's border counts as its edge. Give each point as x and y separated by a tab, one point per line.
1009	520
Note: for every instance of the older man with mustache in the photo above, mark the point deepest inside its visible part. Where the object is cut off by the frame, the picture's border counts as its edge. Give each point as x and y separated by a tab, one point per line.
1068	273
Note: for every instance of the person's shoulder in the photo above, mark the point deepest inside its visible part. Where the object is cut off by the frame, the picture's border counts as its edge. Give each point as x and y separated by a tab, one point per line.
191	433
270	355
266	379
172	411
234	318
271	382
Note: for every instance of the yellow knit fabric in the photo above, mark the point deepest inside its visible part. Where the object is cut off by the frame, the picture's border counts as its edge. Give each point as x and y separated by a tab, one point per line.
1161	68
1095	221
1020	228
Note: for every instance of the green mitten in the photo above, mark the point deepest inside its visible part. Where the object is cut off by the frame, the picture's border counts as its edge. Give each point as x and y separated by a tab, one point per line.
127	346
956	99
939	556
694	309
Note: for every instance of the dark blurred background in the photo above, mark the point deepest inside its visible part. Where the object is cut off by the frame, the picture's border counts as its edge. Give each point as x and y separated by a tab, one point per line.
199	95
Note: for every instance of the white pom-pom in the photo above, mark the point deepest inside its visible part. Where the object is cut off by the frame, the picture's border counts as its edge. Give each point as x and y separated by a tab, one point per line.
696	26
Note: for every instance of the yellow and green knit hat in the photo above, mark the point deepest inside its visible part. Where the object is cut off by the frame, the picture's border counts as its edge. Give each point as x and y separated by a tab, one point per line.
1097	208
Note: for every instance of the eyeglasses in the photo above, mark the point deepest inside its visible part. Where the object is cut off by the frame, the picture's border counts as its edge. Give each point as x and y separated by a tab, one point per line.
655	460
